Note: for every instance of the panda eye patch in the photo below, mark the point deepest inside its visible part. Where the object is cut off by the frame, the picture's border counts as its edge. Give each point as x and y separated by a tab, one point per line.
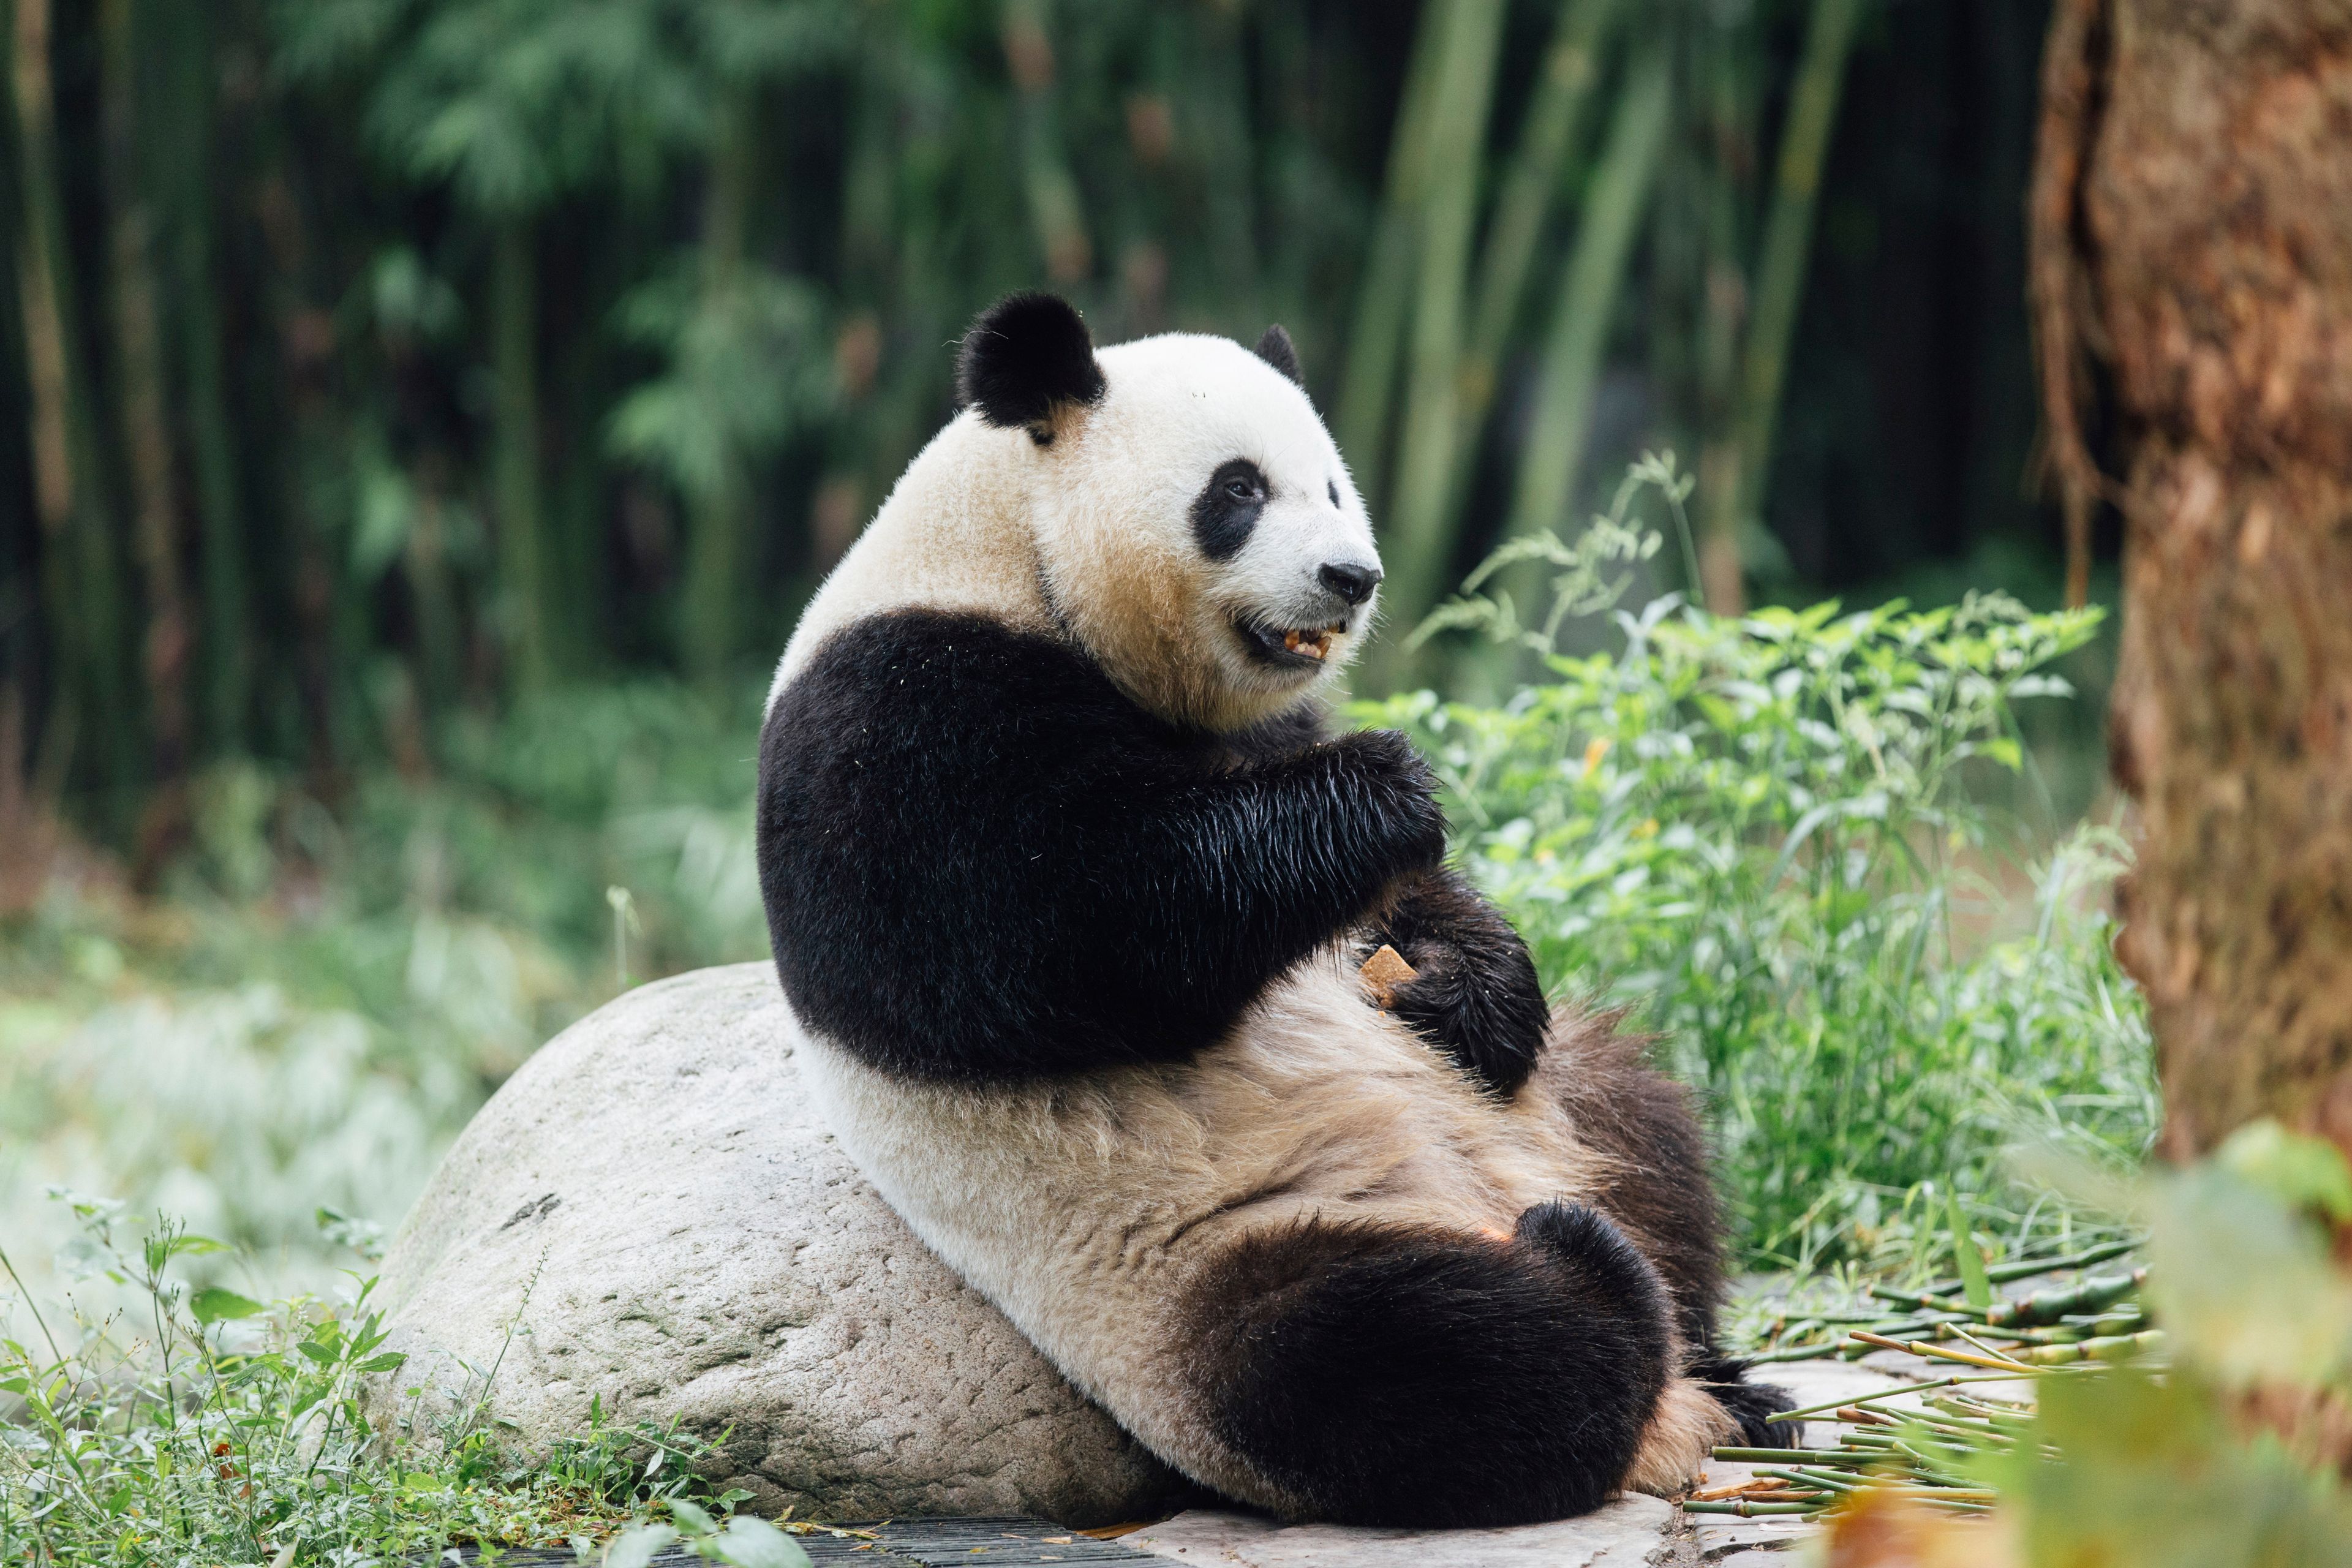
1226	511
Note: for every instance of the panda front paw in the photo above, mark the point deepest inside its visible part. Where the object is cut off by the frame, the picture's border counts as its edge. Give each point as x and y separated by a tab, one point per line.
1475	998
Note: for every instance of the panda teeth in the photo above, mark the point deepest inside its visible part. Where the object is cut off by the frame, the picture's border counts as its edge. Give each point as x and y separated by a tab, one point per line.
1314	645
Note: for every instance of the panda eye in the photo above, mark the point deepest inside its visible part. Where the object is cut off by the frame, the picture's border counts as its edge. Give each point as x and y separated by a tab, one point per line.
1241	488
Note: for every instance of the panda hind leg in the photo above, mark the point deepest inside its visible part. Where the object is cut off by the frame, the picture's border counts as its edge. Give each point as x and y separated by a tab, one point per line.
1384	1375
1752	1405
1662	1193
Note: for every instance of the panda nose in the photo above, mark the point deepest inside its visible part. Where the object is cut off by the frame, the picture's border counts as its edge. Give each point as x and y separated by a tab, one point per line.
1349	581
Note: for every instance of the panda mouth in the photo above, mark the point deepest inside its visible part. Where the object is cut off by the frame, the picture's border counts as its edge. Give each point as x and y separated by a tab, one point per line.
1298	647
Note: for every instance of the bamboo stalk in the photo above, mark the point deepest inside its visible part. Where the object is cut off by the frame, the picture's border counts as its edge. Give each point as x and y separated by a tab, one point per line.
514	312
1377	338
1856	1414
1819	1479
1415	547
1588	297
195	314
710	595
1956	1381
1935	1352
77	572
1724	66
147	437
2093	1295
1779	290
1550	138
1054	204
2117	1347
1550	135
2009	1273
2026	1268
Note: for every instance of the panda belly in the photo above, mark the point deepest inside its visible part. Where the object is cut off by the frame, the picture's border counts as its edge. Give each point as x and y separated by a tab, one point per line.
1104	1212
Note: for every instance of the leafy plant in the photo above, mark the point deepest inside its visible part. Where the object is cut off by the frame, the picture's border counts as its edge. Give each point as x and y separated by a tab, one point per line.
206	1426
1759	835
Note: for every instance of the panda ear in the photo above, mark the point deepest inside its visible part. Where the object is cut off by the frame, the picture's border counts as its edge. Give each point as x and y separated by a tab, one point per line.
1277	349
1027	355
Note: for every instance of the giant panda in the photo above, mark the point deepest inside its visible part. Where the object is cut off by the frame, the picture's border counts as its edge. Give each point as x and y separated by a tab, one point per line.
1068	889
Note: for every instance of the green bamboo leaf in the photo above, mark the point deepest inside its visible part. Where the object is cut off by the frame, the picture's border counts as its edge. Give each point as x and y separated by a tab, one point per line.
1976	1286
216	1305
636	1548
755	1543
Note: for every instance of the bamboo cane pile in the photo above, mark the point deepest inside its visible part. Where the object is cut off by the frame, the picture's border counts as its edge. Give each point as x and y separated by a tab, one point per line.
1926	1450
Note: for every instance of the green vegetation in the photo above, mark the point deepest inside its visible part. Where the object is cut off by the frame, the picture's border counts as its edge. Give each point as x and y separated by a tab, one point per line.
1760	835
1768	835
322	997
2208	1439
201	1425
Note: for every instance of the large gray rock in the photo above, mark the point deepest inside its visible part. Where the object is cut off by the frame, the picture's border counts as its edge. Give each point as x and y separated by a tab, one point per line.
653	1209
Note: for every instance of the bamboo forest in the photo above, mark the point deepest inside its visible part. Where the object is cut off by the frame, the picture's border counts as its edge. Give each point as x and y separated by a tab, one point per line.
369	363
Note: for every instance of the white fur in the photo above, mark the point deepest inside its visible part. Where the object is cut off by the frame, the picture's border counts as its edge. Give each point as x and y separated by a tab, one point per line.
1094	533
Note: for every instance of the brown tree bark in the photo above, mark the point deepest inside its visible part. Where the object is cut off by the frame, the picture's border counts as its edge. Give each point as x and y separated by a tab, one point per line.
2194	243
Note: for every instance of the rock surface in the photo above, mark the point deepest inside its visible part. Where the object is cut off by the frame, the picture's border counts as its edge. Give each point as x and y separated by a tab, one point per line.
1626	1534
1632	1530
649	1211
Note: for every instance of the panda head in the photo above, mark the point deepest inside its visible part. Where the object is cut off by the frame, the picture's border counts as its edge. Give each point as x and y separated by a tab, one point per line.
1195	530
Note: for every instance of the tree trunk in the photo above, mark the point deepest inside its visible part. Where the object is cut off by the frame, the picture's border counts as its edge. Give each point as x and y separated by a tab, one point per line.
2204	253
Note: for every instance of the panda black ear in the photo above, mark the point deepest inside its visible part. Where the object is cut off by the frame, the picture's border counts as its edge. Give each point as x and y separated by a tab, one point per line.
1277	349
1026	355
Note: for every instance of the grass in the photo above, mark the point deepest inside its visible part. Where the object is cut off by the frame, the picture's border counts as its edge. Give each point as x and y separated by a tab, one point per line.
201	1425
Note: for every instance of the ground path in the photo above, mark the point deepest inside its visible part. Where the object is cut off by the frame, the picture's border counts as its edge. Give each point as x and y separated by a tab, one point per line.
1632	1532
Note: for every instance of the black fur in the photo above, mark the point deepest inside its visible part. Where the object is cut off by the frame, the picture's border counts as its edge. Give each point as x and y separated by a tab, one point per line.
1750	1404
1392	1376
1477	999
1277	349
1658	1190
1026	354
1225	512
982	861
1294	730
